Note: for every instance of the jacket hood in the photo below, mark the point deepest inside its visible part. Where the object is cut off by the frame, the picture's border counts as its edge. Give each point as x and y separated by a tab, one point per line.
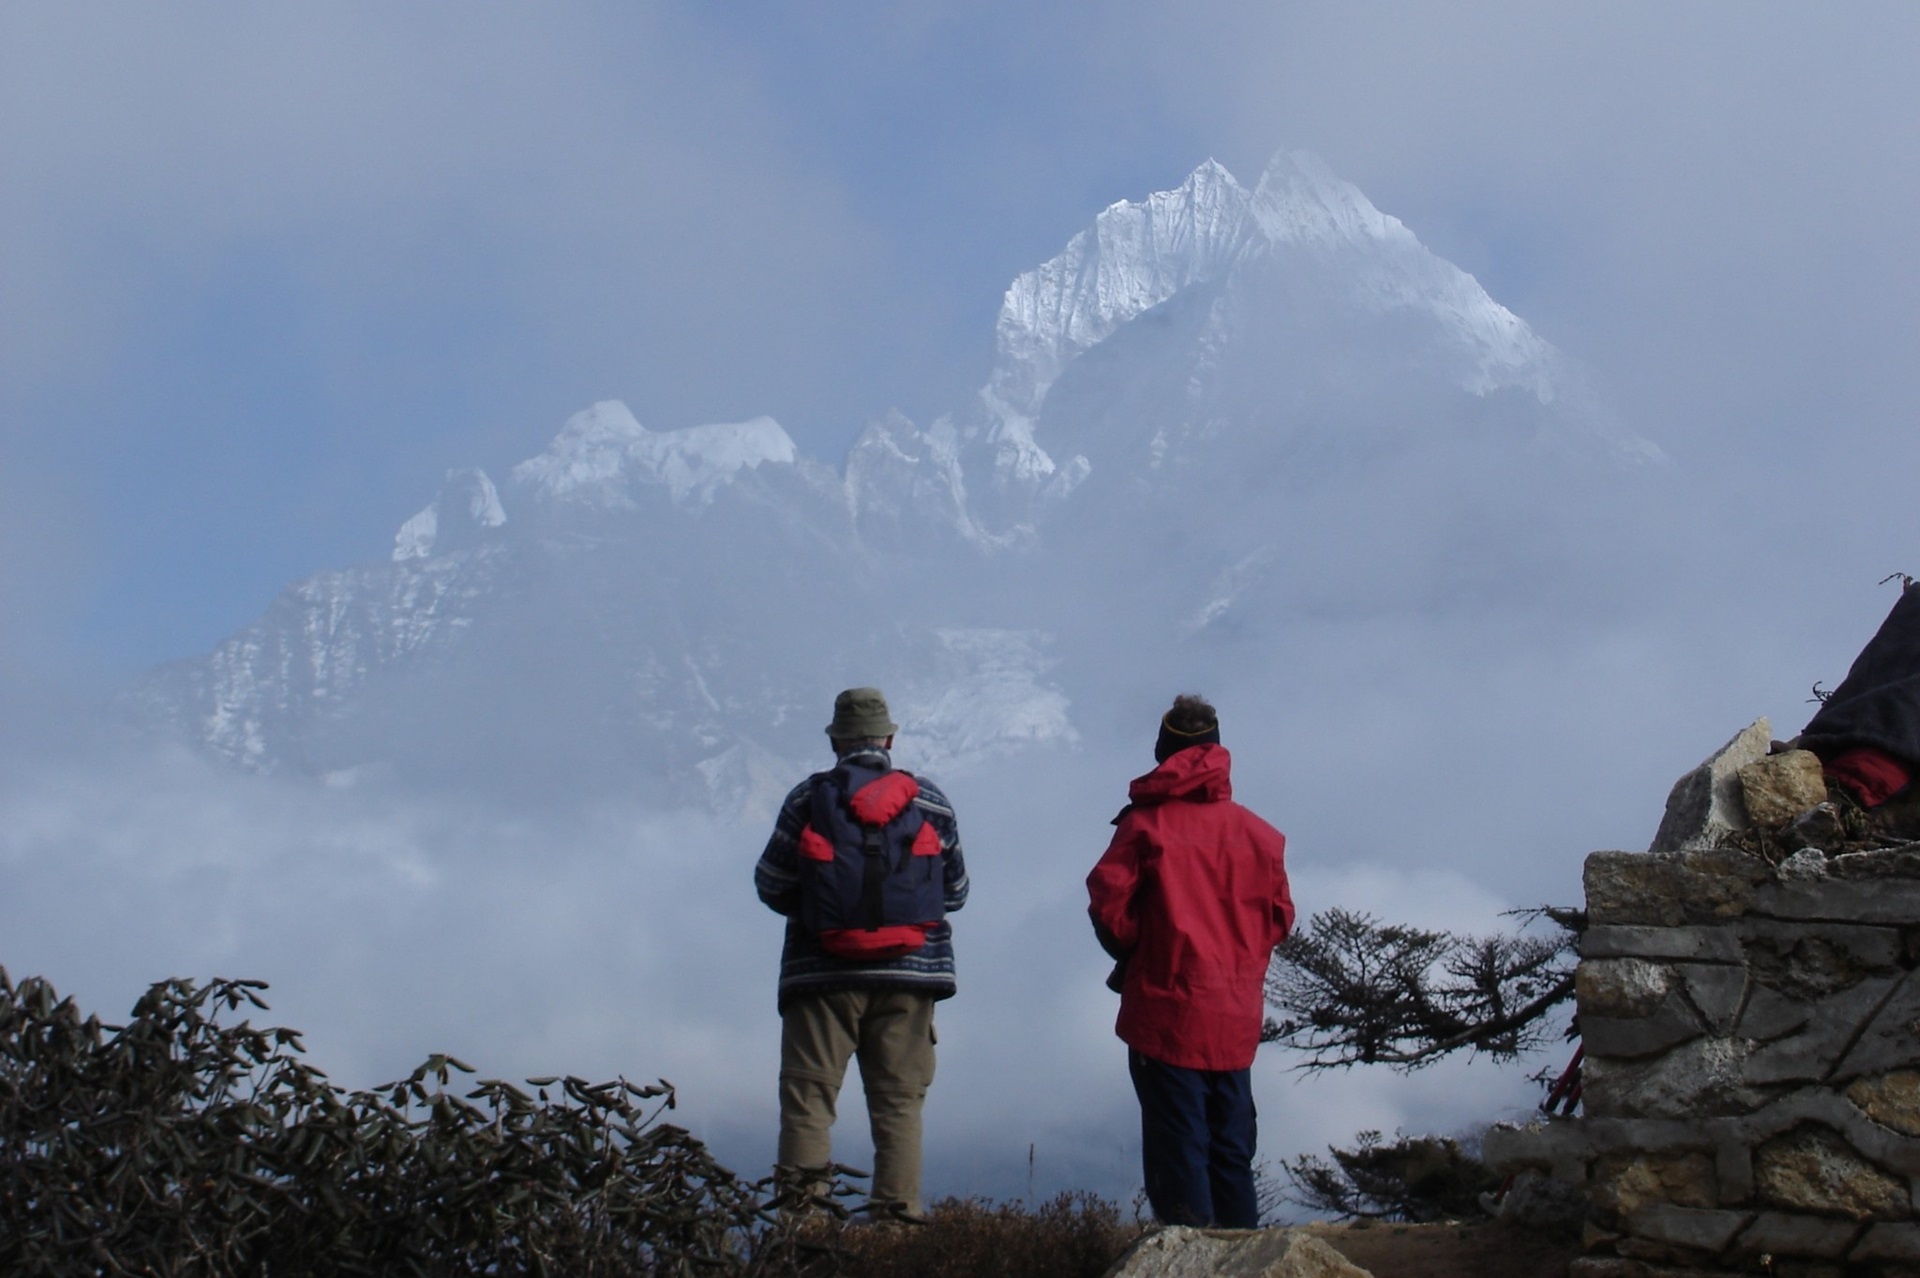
1197	774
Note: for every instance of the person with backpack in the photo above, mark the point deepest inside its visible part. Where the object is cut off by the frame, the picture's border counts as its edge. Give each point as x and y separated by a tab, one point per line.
1190	899
865	864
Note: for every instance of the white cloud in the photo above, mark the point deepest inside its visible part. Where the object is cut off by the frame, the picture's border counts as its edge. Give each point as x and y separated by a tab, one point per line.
605	940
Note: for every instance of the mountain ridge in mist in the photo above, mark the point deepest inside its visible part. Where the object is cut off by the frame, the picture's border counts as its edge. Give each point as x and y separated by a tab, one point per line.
1188	404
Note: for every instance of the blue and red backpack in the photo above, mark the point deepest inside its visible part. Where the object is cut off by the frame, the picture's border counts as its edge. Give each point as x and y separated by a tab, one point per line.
871	881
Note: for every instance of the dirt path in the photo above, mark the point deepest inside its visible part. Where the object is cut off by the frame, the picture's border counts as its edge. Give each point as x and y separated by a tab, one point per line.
1482	1250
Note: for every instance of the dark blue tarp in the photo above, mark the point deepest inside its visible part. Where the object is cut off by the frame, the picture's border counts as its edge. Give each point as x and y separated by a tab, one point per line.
1878	703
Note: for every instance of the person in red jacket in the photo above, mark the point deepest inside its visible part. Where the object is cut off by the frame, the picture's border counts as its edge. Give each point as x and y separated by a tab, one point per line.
1190	899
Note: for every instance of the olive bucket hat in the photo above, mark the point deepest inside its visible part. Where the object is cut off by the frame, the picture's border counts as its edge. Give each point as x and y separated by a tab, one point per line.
859	713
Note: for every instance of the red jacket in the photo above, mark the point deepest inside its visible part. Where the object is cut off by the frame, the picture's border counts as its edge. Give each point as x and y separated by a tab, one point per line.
1193	890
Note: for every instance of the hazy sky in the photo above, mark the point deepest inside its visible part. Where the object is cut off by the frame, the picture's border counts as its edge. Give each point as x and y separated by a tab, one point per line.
267	271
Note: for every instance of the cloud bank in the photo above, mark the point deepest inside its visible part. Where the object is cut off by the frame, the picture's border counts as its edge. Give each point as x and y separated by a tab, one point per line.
266	275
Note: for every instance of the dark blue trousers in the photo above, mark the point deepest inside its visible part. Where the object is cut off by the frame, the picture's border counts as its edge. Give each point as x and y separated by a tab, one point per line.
1197	1134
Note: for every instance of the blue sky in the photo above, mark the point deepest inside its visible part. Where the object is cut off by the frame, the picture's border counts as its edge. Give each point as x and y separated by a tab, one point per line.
268	270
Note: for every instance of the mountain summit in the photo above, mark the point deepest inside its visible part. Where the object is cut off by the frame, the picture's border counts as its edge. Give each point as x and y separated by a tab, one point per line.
1294	316
1185	403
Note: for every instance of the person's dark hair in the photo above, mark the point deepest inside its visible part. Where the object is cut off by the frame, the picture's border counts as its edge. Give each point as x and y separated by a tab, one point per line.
1191	722
860	743
1191	714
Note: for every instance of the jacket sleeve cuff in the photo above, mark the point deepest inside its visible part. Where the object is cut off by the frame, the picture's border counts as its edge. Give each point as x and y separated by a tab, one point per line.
1108	941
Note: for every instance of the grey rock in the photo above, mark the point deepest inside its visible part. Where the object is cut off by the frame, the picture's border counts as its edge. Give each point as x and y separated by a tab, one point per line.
1891	1099
1626	1267
1878	863
1672	1023
1828	1108
1605	1267
1891	1040
1560	1144
1733	1169
1615	1135
1698	1079
1716	991
1705	1229
1841	900
1819	826
1807	863
1888	1240
1816	1169
1855	948
1669	889
1623	987
1812	1052
1780	1233
1706	803
1570	1140
1703	944
1779	787
1535	1201
1770	1015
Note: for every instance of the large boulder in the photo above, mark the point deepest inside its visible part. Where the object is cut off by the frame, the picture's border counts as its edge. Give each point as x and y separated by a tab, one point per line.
1706	804
1779	787
1181	1252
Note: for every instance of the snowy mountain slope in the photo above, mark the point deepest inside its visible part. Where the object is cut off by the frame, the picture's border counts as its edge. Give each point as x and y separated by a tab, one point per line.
1133	257
258	699
1294	314
1193	405
602	455
645	609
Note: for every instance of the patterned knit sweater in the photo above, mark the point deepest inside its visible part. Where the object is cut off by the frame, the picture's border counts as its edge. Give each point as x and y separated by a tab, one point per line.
805	968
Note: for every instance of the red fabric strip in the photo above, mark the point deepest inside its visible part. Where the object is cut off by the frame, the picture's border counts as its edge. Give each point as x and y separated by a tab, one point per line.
884	798
1869	775
877	943
814	845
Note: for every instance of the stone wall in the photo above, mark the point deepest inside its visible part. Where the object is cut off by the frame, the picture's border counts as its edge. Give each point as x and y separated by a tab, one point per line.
1752	1076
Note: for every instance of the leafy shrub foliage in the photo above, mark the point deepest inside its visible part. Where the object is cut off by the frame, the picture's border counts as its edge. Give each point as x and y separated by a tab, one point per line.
177	1144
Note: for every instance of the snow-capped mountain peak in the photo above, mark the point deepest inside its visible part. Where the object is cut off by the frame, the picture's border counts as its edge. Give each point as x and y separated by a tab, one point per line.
468	503
1301	204
602	455
1299	218
1299	199
1134	257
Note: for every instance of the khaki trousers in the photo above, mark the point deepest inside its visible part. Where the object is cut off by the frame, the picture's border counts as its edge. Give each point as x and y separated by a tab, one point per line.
891	1032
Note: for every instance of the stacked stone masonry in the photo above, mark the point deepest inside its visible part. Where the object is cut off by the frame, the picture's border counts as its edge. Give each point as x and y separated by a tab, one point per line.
1752	1076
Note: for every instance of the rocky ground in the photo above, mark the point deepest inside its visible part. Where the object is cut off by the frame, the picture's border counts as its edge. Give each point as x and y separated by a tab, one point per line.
1478	1250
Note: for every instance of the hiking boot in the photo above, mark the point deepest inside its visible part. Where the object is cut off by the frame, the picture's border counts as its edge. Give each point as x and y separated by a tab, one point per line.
884	1212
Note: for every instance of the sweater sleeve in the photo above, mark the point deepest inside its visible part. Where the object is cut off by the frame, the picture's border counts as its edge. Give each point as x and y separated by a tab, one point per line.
777	875
938	810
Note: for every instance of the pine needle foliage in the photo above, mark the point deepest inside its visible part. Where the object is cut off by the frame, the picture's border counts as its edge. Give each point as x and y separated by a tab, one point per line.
1412	1178
1350	990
